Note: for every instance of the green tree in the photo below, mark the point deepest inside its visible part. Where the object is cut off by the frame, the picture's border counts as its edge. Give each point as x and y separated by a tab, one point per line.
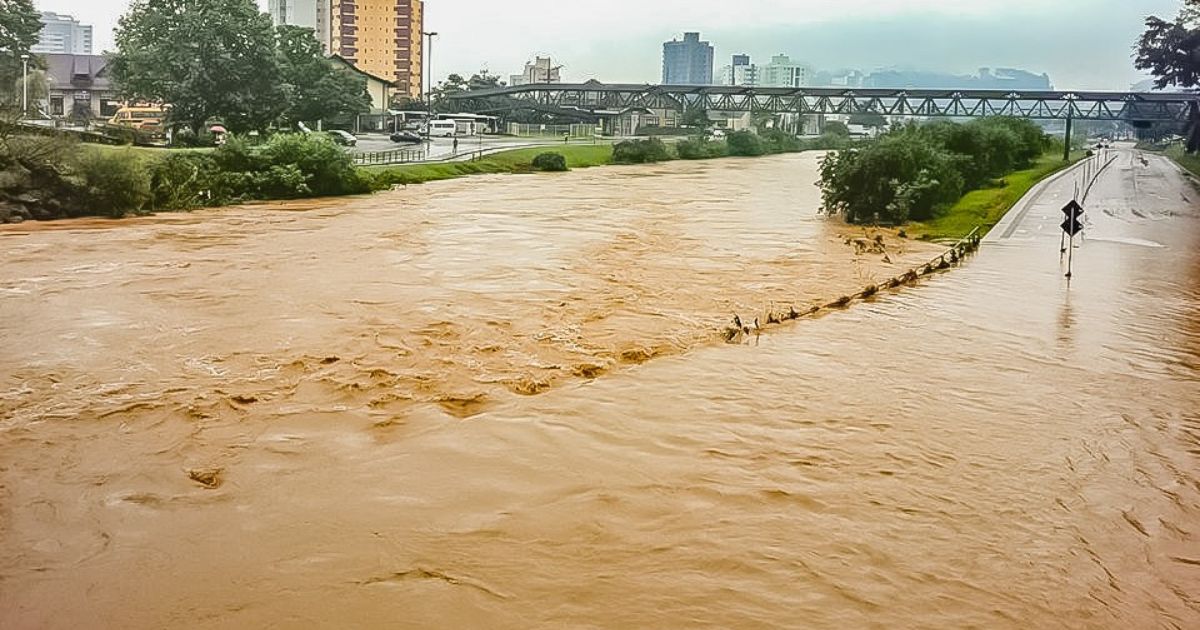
1170	50
205	58
836	128
695	117
456	83
315	88
19	28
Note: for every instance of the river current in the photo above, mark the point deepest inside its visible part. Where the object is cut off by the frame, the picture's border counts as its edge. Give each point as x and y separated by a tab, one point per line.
504	402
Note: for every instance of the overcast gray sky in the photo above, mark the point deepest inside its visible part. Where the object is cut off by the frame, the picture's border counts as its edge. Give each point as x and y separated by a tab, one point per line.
1080	43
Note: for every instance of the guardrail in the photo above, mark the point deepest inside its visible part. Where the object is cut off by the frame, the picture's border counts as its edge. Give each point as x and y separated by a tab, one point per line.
395	156
957	254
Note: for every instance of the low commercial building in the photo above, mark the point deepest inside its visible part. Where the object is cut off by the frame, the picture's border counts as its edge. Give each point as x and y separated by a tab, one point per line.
541	70
741	72
784	72
79	88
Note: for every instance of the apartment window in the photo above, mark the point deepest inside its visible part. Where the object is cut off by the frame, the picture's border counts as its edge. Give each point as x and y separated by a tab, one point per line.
56	106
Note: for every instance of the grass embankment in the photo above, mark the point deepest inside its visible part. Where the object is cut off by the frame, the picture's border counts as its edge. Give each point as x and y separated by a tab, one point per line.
514	161
985	207
1190	163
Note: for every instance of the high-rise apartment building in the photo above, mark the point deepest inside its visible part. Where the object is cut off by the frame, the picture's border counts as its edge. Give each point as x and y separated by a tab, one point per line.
63	34
688	62
312	14
382	37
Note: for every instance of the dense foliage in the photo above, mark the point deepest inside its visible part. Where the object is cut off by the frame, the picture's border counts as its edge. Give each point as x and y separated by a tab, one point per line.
207	58
315	89
917	170
288	166
746	143
1170	50
699	148
19	28
223	61
50	177
549	161
640	151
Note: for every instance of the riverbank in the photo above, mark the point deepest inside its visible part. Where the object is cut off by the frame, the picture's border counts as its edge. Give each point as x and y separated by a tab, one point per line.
514	161
1189	163
985	207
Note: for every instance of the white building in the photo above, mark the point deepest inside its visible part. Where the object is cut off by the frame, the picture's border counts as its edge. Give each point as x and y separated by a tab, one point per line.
64	35
541	70
740	72
312	14
783	72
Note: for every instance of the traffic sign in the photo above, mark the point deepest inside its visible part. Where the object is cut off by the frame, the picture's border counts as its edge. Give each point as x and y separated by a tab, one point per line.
1072	208
1072	226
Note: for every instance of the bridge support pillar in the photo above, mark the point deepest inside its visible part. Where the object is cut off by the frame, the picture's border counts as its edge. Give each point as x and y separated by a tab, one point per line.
1067	139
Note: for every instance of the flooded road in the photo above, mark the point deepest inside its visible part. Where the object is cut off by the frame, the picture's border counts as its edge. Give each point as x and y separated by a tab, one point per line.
437	408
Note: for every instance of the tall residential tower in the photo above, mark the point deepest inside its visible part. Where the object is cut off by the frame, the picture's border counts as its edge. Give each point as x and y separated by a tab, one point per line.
382	37
63	34
688	62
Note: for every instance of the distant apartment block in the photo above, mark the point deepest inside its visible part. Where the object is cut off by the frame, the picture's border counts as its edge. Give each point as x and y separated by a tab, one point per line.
63	34
740	72
687	62
784	72
541	70
380	37
312	14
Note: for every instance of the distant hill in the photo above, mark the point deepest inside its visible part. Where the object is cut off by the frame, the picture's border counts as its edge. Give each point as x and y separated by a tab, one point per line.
1148	86
986	79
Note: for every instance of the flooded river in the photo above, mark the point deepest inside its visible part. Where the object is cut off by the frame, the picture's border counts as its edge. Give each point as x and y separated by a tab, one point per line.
502	402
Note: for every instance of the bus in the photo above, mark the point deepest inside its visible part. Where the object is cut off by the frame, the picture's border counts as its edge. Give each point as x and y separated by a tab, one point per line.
147	118
443	128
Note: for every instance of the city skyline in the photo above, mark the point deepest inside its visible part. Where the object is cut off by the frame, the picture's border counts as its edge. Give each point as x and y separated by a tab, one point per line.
934	35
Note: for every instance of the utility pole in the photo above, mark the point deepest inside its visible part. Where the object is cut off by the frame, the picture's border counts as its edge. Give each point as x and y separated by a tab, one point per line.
24	86
429	35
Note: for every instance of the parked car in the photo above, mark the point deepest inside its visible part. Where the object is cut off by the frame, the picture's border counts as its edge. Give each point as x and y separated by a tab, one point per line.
344	138
407	137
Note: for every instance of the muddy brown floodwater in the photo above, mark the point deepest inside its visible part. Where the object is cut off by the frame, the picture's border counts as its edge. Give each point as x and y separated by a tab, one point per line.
502	402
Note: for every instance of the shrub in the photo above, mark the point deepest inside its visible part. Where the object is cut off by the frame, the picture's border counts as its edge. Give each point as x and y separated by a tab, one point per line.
699	149
779	141
640	151
549	162
115	183
326	169
835	128
182	181
895	179
745	143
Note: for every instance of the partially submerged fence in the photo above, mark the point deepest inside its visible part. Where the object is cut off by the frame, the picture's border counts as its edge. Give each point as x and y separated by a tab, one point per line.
951	257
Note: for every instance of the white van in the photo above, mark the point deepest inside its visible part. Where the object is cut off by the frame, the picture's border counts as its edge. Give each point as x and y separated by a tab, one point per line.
443	128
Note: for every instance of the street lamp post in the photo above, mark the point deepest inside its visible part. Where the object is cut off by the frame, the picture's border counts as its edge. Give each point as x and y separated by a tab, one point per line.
24	86
429	35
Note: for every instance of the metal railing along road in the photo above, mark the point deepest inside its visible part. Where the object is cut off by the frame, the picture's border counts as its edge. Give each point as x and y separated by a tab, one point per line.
395	156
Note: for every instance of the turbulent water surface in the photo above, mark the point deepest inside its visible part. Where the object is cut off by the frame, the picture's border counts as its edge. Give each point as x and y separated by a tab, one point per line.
503	402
